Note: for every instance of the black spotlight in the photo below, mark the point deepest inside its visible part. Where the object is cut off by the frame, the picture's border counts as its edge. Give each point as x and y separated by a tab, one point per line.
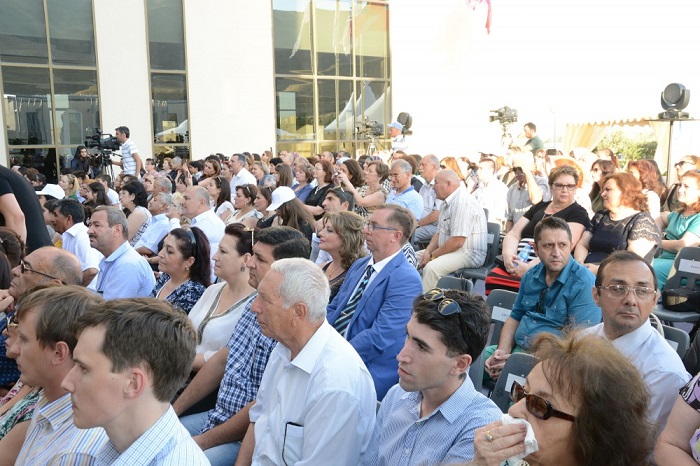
674	99
406	120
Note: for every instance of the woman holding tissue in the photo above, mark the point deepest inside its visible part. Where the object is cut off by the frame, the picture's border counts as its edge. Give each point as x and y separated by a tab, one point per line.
586	404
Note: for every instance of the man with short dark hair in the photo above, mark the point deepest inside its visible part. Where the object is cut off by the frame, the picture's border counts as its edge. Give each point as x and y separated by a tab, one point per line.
329	156
106	181
241	175
44	348
533	143
554	294
374	302
123	272
131	161
237	369
131	358
491	192
430	416
626	291
68	218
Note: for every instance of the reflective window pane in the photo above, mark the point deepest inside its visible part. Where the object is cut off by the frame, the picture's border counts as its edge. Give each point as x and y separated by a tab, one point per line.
23	32
77	106
71	32
27	105
161	151
371	30
169	108
295	109
43	159
336	109
333	34
305	149
166	35
372	102
292	36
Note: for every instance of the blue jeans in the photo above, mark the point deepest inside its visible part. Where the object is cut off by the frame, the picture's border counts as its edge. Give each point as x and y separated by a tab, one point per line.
220	455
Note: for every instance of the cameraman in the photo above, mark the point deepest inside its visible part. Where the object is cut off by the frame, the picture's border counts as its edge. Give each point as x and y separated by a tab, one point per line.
131	161
398	141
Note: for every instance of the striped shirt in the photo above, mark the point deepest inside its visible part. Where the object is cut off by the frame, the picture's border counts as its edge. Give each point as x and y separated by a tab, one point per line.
165	443
445	436
53	439
461	215
128	160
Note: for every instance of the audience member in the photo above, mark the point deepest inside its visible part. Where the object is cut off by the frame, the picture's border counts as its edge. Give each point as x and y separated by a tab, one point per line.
678	443
304	177
554	294
196	207
123	272
220	193
491	192
68	218
70	186
158	206
332	377
374	302
185	269
528	190
284	175
44	352
96	195
431	415
106	181
652	184
131	357
460	241
573	402
428	221
323	175
403	193
134	201
600	170
258	170
237	369
625	289
244	205
689	162
374	192
261	203
291	212
342	240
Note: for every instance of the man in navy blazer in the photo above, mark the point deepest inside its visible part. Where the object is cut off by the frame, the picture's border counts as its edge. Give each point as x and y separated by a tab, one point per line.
374	305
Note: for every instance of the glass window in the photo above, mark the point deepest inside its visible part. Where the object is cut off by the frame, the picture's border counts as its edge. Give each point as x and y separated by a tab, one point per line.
336	109
371	30
71	33
77	106
166	35
305	149
161	151
371	101
292	36
169	108
295	109
43	159
27	102
333	33
23	32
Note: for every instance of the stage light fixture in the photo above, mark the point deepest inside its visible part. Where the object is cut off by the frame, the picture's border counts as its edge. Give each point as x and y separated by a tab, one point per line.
674	99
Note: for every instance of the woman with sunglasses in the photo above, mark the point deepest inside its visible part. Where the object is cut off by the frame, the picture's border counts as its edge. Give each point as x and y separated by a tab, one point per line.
244	203
218	310
599	170
586	403
185	268
671	202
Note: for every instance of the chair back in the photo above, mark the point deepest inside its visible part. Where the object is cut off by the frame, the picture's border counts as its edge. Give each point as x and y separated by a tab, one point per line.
686	270
493	234
678	339
449	282
517	367
501	302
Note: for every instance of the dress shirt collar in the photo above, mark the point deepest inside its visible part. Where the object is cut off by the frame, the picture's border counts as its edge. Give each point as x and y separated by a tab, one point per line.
56	412
630	343
203	216
452	408
159	217
312	350
379	266
76	229
456	193
563	275
118	252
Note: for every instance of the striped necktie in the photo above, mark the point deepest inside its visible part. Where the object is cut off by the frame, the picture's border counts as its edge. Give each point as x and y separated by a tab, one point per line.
341	324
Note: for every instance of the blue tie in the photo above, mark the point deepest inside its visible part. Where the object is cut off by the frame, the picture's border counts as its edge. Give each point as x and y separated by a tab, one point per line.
341	324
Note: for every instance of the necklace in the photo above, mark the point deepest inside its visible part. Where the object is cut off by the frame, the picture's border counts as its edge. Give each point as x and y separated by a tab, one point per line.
210	315
331	270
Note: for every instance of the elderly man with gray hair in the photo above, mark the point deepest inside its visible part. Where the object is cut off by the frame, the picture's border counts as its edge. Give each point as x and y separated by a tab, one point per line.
403	194
123	272
316	403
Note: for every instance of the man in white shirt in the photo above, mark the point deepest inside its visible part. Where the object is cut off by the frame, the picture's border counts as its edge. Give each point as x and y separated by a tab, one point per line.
398	141
131	161
427	223
112	195
197	208
316	403
491	192
158	206
241	175
68	218
626	291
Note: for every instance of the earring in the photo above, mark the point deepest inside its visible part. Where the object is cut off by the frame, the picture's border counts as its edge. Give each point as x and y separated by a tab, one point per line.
187	268
243	268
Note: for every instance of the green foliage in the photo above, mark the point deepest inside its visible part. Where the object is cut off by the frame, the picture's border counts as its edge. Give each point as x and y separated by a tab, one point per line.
630	147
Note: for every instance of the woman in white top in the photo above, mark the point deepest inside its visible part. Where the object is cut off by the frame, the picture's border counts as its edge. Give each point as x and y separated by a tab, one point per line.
134	199
243	202
220	194
218	310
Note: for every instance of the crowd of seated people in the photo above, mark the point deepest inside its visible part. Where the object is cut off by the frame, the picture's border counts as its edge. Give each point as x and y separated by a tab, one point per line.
222	244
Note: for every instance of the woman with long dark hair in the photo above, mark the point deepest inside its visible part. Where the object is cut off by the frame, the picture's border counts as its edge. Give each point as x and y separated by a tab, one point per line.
134	200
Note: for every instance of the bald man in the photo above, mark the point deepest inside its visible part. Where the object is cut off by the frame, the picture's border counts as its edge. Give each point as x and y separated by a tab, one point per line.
460	241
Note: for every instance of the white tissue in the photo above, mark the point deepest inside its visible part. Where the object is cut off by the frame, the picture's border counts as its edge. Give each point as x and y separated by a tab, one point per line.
530	440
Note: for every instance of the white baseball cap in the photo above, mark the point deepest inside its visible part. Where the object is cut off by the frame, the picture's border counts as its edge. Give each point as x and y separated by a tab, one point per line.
52	190
280	196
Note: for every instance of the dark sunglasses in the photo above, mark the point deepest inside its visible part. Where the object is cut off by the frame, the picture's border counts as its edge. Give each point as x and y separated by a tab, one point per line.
536	405
447	307
24	268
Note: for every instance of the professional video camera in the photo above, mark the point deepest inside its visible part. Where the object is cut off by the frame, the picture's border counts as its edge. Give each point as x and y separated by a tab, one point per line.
105	145
504	115
370	129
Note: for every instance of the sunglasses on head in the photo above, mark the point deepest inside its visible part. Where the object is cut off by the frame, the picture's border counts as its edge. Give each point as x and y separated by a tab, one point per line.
447	307
536	405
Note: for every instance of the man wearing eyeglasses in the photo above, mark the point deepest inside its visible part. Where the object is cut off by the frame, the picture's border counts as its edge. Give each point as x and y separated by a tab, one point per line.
430	416
625	289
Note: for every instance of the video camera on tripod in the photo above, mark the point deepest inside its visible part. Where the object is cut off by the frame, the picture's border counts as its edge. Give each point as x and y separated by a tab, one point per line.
105	143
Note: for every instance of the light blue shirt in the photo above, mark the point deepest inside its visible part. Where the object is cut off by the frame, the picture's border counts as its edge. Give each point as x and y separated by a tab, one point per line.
445	436
156	231
165	443
125	274
409	199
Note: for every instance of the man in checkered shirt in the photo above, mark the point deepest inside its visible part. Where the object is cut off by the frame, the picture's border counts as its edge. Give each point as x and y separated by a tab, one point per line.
238	368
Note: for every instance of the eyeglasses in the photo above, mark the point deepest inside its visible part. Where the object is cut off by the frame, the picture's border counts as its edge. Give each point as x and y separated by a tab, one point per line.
24	267
536	405
394	175
682	162
443	167
447	307
642	293
11	322
595	170
371	226
564	187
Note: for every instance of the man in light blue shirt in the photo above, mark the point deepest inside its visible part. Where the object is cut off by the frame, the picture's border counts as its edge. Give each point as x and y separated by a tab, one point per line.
403	193
123	272
158	206
431	415
131	358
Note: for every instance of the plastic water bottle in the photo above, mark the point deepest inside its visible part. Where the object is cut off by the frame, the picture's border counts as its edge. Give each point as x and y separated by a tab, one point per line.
524	254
